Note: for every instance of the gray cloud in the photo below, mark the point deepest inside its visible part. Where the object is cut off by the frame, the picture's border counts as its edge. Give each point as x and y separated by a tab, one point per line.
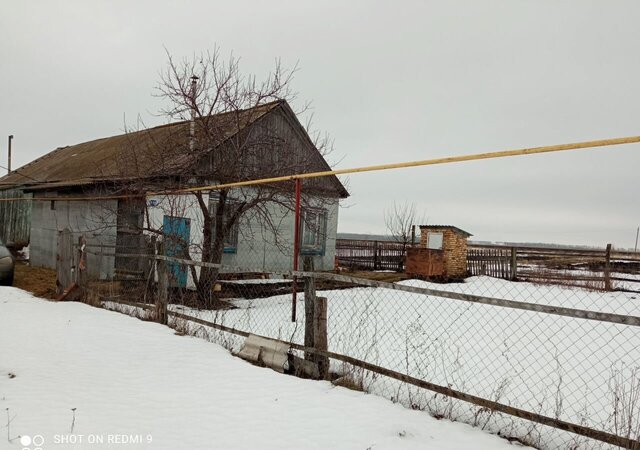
390	82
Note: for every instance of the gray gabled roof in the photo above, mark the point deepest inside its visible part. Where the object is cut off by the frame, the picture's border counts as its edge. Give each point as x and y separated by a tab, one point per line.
140	154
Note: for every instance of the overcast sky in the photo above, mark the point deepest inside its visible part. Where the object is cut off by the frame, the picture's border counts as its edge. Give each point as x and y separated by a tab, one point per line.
390	82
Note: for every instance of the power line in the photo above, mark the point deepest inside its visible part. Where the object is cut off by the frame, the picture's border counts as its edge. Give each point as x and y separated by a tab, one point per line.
427	162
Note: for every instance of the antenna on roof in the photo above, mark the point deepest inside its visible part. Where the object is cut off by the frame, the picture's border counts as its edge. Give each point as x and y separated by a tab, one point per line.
192	125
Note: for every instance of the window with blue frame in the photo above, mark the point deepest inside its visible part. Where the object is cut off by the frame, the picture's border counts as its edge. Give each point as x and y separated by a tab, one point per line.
313	231
230	244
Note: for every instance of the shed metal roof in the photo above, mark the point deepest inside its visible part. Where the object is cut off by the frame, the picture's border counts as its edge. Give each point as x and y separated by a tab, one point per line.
446	227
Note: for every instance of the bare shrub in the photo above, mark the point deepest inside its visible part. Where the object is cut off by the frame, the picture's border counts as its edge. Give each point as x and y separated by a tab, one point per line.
624	386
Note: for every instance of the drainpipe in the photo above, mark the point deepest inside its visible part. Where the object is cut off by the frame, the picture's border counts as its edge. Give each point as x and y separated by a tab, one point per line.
9	161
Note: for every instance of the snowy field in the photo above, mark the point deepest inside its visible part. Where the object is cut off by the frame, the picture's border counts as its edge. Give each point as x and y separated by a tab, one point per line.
557	366
136	385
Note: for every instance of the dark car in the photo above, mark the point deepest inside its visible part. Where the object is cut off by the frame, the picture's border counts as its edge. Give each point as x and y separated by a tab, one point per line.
6	266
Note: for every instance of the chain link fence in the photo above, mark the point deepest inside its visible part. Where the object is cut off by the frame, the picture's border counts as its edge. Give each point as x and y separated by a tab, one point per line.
547	365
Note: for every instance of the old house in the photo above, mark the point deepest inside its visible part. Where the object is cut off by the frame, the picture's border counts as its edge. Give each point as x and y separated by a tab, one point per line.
442	253
122	190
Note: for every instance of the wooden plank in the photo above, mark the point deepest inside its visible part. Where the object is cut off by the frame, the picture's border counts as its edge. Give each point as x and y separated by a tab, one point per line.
320	338
558	276
607	268
548	250
546	253
64	261
371	255
632	280
309	306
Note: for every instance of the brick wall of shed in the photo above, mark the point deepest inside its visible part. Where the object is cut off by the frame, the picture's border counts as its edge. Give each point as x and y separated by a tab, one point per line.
455	251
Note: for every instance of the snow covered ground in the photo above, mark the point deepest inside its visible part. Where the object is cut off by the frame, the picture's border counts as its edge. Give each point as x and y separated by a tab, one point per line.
136	385
631	280
556	366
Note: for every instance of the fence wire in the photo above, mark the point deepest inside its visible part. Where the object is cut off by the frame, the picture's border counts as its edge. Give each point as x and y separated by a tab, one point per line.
528	346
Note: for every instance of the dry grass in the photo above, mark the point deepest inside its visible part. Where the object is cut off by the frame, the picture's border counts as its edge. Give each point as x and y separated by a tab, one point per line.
37	280
349	382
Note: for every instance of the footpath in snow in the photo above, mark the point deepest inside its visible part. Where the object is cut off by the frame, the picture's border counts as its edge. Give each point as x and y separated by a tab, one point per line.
137	385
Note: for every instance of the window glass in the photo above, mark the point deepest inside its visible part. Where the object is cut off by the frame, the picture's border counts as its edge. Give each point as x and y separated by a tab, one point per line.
313	231
434	240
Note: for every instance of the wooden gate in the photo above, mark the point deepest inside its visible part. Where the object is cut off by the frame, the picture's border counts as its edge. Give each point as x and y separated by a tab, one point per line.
425	263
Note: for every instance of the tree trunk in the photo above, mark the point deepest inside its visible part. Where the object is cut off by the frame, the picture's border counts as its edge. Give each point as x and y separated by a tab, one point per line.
212	248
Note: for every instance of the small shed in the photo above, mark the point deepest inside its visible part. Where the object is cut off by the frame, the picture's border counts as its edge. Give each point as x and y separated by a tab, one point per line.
442	253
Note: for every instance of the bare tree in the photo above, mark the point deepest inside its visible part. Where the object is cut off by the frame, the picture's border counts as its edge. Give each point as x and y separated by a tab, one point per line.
228	142
400	220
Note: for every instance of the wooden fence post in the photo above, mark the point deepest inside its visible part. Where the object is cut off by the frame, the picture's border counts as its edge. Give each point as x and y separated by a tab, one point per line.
375	255
321	340
514	264
309	307
81	267
607	268
162	297
64	264
315	321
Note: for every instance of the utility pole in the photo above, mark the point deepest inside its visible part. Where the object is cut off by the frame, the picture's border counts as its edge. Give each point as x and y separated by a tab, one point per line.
637	233
9	160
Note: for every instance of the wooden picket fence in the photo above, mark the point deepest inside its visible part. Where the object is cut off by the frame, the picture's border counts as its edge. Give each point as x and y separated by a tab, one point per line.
494	262
536	264
555	265
370	255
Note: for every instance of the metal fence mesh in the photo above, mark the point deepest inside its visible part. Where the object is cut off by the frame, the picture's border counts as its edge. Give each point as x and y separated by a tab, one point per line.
577	369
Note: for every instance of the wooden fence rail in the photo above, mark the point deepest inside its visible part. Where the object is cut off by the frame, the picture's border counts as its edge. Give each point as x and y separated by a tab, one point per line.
371	255
555	265
537	264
